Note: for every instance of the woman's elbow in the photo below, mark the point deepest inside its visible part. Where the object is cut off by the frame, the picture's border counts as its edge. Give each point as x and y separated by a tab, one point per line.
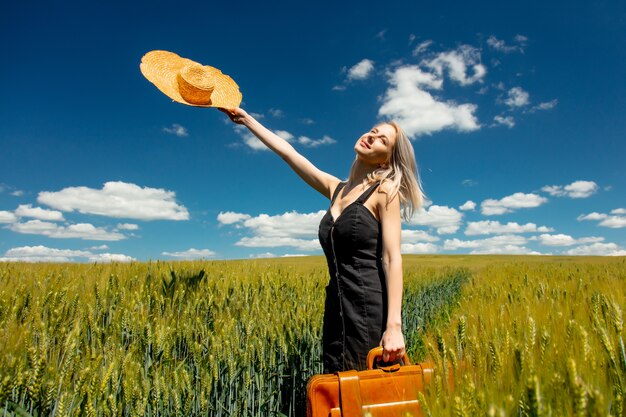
392	260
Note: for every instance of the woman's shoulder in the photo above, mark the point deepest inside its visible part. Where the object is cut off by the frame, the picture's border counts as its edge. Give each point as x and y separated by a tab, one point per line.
384	187
385	194
334	185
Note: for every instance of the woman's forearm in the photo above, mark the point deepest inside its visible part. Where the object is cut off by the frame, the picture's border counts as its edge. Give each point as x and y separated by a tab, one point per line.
277	144
393	268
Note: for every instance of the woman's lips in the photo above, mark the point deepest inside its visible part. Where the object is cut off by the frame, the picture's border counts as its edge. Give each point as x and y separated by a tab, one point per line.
364	144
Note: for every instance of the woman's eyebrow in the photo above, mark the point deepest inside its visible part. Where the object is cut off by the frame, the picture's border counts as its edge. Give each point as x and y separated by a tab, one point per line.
375	130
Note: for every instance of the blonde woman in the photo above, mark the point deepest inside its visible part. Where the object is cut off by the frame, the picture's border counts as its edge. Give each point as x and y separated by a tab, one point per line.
360	235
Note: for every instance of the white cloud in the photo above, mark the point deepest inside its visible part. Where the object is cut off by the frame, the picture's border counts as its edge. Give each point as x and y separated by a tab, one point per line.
100	247
545	105
27	210
314	143
177	130
556	240
592	216
191	253
510	203
599	249
444	219
488	227
284	134
361	71
7	217
508	121
614	221
503	244
416	236
618	211
278	113
565	240
590	239
35	227
275	242
469	205
254	143
419	113
577	189
418	248
249	139
458	63
520	39
85	231
517	97
12	191
289	224
45	254
263	255
127	226
422	47
292	229
230	217
499	86
110	257
469	183
500	45
118	199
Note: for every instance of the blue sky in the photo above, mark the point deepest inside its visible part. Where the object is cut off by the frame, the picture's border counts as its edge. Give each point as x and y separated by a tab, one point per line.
516	111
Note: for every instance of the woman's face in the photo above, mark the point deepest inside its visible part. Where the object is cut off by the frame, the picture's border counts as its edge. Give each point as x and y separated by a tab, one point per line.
375	147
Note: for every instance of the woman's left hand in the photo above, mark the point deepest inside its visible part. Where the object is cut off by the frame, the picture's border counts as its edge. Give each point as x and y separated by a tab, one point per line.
393	344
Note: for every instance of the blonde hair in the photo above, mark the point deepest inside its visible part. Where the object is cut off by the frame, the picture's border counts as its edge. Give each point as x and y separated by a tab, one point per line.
400	175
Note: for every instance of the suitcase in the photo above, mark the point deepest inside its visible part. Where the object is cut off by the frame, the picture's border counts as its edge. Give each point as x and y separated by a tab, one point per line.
386	391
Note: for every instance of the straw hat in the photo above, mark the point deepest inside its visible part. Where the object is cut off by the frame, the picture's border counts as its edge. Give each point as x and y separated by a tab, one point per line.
188	82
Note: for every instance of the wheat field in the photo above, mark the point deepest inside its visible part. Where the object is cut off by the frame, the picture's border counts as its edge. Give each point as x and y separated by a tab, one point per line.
522	336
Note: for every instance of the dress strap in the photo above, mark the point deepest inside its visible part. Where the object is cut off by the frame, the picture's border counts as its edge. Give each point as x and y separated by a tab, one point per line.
363	198
337	190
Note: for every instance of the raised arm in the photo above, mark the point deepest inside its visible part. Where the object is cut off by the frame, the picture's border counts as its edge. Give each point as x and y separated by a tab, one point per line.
319	180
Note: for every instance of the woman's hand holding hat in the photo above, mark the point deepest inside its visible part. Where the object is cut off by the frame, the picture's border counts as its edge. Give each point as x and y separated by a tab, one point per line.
237	115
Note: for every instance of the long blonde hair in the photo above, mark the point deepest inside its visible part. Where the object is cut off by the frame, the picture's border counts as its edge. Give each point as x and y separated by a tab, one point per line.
400	175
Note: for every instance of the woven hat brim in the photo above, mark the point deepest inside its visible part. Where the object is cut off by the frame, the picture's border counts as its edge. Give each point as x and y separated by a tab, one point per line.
162	67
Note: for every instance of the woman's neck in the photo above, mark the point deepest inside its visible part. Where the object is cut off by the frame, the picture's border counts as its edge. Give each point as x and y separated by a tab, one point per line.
359	173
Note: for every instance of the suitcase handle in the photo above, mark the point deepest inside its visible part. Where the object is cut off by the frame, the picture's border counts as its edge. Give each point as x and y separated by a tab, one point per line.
377	353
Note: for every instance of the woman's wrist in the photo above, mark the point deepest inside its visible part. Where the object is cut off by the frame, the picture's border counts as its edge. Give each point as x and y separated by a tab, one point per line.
394	325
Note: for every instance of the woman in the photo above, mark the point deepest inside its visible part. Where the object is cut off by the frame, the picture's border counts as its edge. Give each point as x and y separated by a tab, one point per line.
360	235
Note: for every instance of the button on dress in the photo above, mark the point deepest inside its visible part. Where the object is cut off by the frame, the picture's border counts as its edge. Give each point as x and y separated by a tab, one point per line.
355	311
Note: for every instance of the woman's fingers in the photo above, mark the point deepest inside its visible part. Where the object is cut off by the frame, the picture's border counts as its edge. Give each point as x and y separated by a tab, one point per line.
227	112
393	346
233	114
390	355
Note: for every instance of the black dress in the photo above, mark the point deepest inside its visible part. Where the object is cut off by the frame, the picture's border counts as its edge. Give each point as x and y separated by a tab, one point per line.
355	312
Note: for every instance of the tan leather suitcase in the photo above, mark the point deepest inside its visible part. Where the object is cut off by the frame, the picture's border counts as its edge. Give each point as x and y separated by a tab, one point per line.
387	391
